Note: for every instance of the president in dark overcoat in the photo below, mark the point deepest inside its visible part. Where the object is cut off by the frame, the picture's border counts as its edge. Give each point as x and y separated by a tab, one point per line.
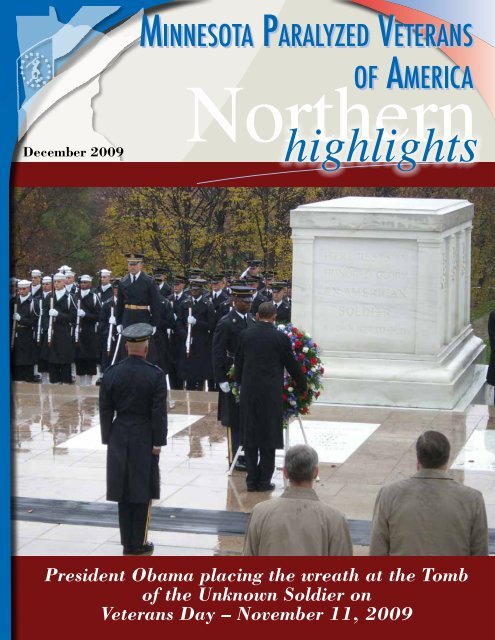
133	420
260	360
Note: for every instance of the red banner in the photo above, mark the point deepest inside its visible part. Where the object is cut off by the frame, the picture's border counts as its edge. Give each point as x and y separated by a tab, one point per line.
224	597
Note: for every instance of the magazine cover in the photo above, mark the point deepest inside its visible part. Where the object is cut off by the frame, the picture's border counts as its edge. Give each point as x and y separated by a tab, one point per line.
250	255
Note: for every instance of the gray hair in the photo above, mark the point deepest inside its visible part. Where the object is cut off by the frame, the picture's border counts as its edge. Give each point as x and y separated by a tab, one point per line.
301	462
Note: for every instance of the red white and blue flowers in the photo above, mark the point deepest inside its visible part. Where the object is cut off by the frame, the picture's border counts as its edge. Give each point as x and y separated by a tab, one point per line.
305	351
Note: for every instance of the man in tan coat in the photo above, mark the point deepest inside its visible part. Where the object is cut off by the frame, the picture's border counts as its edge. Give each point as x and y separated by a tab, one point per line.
429	514
297	523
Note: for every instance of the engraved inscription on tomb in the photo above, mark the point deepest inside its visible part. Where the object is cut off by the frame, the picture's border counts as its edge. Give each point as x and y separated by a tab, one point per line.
365	294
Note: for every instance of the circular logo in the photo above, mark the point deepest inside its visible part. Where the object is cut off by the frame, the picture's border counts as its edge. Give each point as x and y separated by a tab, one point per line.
36	70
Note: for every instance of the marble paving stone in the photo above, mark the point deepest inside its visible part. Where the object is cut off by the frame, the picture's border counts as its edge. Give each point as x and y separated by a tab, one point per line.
78	533
25	529
91	438
478	454
70	489
41	547
334	441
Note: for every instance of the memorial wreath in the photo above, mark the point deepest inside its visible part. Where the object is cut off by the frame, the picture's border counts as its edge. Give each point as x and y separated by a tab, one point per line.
305	351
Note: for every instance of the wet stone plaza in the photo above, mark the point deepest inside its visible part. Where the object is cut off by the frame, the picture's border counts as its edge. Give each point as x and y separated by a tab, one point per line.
59	484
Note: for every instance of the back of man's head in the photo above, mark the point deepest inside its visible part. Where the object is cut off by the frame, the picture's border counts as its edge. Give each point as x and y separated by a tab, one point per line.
432	450
137	348
301	464
267	310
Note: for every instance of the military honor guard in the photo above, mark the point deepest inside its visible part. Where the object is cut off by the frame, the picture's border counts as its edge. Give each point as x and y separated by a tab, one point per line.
133	419
225	343
137	299
104	290
164	289
253	269
107	329
41	309
176	335
258	298
85	333
70	282
159	350
58	348
36	276
195	323
22	336
283	308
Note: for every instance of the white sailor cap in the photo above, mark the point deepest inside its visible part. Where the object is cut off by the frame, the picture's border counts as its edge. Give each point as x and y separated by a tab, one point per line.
105	272
46	280
36	273
24	283
59	276
86	278
64	268
69	273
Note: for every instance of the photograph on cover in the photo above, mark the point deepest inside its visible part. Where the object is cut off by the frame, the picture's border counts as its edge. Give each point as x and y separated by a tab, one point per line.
387	296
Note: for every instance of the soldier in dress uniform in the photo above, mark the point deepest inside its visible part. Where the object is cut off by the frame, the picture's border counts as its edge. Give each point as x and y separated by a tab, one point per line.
218	297
86	336
267	292
137	300
195	323
133	418
176	337
104	290
159	350
258	297
22	339
225	343
36	275
164	289
41	309
58	349
283	309
107	322
253	269
70	282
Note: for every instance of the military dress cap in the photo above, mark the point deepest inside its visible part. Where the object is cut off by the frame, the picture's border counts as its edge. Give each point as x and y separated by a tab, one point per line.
217	277
69	274
59	276
242	292
24	283
179	279
64	268
138	332
86	278
46	280
278	286
105	272
254	263
36	273
197	283
133	257
269	275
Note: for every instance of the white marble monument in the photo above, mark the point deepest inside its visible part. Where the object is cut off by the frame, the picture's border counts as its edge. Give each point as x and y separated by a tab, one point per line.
383	285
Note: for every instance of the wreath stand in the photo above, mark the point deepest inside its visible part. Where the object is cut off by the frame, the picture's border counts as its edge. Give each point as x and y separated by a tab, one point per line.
286	444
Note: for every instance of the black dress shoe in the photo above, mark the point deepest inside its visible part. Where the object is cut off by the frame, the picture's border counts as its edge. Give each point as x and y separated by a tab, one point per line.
144	550
98	382
266	487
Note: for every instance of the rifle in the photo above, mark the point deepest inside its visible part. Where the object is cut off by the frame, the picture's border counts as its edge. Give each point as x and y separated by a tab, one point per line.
38	332
110	331
189	331
78	321
14	326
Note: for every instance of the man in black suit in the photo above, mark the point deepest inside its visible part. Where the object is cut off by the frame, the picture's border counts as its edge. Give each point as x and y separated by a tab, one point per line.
490	375
133	418
263	354
225	343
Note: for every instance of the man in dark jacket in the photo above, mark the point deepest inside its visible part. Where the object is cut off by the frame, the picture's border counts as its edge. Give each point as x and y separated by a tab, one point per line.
260	360
133	422
490	375
22	339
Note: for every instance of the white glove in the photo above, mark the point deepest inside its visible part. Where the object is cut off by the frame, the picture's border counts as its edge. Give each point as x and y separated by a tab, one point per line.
16	316
175	317
224	386
112	320
81	313
191	320
154	331
119	328
53	313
